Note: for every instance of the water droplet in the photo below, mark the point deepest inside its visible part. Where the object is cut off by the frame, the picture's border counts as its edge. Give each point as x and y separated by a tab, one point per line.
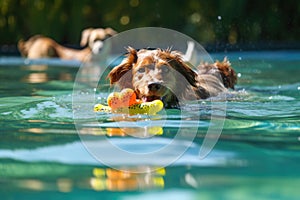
219	17
298	88
240	58
239	74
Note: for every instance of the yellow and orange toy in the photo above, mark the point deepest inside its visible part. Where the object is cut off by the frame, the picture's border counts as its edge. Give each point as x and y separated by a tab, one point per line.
125	102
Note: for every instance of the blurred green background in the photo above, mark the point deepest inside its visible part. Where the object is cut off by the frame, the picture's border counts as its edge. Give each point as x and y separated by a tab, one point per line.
216	23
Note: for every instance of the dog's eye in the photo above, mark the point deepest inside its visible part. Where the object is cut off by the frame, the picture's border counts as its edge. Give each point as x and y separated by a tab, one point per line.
141	70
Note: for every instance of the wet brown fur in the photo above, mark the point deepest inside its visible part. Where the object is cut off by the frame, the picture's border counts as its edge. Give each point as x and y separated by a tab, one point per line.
208	80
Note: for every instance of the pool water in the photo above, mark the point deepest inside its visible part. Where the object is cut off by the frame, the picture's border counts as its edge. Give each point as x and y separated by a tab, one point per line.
257	155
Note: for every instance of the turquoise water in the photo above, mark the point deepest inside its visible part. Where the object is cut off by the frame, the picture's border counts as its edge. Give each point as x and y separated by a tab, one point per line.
257	155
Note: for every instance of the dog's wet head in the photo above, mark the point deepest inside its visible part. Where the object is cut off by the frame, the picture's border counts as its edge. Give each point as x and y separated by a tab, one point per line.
154	74
94	38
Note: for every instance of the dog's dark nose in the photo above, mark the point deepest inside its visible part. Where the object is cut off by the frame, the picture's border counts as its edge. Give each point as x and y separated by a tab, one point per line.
154	86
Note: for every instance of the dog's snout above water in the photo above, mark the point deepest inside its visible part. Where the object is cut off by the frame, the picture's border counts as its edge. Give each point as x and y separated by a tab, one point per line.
155	86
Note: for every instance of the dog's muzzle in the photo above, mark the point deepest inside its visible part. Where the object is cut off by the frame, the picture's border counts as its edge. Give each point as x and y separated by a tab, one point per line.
97	46
154	87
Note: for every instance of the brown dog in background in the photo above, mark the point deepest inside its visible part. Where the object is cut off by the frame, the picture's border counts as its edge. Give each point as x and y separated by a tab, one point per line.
163	74
44	47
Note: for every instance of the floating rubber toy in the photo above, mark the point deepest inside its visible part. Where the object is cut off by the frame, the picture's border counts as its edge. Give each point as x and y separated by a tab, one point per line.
126	102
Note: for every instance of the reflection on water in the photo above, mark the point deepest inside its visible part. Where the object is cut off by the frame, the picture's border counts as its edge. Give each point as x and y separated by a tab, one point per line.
36	75
138	132
116	180
141	132
35	78
65	77
98	179
35	67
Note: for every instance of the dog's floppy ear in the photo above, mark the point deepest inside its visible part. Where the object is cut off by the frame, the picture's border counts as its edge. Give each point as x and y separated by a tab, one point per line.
110	31
122	73
85	34
22	48
176	61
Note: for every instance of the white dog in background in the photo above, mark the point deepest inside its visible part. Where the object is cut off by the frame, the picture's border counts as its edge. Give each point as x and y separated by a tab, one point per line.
39	46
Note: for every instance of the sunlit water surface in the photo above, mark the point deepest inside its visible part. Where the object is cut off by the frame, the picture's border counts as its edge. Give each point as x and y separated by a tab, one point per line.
257	155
